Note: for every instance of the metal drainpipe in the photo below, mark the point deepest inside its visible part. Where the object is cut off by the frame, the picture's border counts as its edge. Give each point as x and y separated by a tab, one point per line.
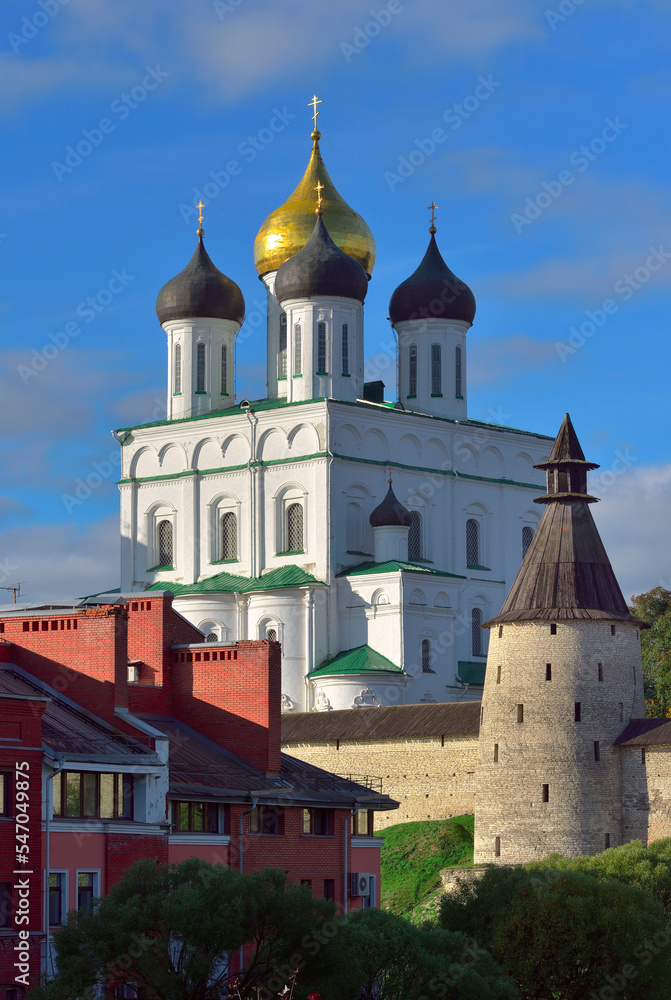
255	799
253	486
347	819
49	806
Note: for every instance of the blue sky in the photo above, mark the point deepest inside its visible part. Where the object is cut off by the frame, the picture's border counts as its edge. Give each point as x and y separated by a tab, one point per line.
550	167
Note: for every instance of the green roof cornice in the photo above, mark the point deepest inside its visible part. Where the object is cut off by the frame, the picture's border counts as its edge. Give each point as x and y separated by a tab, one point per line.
361	660
229	583
394	566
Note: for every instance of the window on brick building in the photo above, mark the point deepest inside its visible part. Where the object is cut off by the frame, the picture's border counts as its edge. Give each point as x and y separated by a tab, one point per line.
87	890
329	888
57	898
5	793
15	993
89	794
363	823
268	820
197	817
318	822
5	904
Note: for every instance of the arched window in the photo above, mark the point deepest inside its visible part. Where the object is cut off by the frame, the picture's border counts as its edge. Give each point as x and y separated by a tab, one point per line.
436	370
321	348
415	536
298	350
165	543
211	637
200	367
412	371
271	634
345	349
476	632
472	542
224	370
426	655
294	528
229	536
527	535
353	526
457	372
178	369
282	352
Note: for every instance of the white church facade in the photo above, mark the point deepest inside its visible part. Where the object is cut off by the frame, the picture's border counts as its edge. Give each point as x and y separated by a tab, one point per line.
257	514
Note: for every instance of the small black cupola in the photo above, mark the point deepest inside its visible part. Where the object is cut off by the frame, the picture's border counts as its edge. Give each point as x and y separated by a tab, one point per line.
390	513
200	290
321	269
566	467
432	292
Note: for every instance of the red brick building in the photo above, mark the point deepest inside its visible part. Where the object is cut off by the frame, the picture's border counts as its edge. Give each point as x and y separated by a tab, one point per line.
124	735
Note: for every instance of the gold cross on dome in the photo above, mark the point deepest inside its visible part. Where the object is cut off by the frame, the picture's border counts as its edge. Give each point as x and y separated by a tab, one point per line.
432	208
313	104
319	188
200	208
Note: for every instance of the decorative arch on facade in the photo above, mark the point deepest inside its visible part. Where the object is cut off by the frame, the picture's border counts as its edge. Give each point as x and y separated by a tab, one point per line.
409	450
290	518
236	450
172	458
380	597
466	456
270	627
273	444
145	462
347	439
213	630
441	600
225	511
492	463
304	439
161	529
417	597
207	454
475	534
375	445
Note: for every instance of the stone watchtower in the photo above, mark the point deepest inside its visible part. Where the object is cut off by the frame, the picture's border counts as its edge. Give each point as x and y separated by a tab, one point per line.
563	679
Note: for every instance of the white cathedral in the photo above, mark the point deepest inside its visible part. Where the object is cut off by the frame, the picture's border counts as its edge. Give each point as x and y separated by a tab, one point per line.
370	538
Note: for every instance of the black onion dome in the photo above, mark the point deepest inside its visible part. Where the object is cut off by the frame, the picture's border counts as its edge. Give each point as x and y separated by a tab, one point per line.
432	292
391	513
320	268
200	290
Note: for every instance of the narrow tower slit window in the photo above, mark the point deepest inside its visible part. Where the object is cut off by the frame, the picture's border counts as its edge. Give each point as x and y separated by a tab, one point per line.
224	370
597	750
500	631
621	711
498	674
178	369
345	349
436	370
165	543
426	656
548	671
412	370
612	630
553	629
606	841
520	713
229	536
600	671
298	350
415	536
546	793
577	711
476	632
496	753
472	542
321	348
642	755
497	847
457	372
527	535
200	367
294	528
282	348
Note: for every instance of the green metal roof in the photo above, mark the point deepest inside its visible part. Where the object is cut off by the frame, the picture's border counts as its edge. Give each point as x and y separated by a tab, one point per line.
471	673
392	566
256	404
228	583
361	660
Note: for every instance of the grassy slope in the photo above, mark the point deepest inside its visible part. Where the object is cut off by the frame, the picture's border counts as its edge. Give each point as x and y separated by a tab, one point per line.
413	855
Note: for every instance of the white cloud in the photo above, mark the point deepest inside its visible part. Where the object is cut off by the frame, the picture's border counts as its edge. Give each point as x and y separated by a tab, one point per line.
633	519
495	359
60	561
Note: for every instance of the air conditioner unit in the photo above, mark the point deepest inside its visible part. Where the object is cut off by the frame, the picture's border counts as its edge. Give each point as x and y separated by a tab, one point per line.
361	883
133	673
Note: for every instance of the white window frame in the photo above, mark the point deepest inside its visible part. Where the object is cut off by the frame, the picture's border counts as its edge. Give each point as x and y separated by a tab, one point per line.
65	873
160	511
96	883
219	506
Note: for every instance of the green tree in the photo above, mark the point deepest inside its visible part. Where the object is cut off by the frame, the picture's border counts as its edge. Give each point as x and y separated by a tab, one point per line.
167	931
384	957
654	608
565	935
647	868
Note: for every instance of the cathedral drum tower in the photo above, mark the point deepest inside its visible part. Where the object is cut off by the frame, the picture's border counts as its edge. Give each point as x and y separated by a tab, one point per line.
563	679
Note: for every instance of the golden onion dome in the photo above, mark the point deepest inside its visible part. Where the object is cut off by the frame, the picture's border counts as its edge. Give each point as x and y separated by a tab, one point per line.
289	227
